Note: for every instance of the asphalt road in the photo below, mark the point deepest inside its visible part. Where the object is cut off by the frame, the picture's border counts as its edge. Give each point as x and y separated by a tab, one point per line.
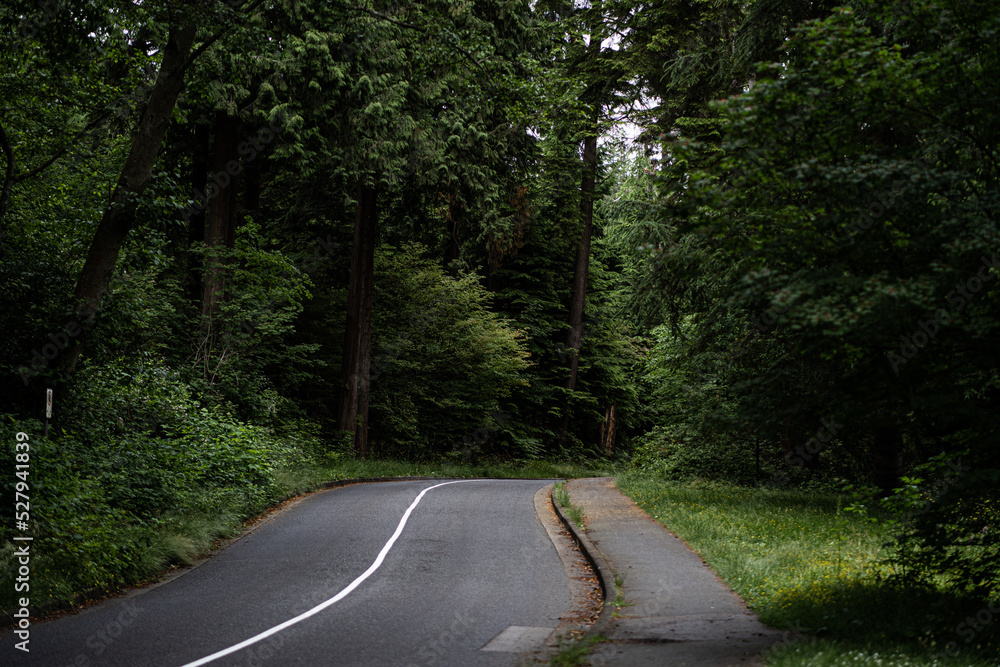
471	561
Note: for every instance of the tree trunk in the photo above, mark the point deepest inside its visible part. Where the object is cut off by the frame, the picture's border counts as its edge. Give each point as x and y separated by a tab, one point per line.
574	339
220	226
8	179
608	427
358	330
196	220
252	188
453	252
119	216
888	457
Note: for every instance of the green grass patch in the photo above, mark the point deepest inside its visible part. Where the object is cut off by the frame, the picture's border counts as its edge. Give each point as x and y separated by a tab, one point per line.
805	566
571	652
620	600
573	513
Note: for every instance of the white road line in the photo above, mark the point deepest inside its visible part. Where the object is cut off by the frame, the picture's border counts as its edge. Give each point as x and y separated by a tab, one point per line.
336	598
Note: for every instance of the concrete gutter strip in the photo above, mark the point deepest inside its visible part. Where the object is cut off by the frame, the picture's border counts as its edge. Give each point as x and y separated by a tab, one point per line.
596	560
680	612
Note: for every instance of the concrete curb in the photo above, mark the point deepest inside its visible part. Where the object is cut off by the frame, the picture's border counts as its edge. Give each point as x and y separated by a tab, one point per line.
596	560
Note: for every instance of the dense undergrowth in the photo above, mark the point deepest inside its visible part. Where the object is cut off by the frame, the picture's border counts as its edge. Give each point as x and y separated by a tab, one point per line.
824	576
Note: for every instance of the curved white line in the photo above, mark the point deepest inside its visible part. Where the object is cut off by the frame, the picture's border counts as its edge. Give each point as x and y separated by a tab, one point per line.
336	598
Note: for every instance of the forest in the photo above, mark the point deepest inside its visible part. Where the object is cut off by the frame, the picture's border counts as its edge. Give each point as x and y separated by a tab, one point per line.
254	245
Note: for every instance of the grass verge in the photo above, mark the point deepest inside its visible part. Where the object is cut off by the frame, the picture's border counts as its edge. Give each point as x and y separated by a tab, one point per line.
805	566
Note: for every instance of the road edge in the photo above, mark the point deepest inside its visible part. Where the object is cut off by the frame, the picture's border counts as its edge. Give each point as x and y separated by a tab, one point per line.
596	560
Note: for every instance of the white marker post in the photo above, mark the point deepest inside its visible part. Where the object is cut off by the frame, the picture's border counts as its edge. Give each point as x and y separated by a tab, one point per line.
48	411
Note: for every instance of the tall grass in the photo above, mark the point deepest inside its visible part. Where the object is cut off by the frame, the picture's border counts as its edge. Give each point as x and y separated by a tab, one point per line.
805	566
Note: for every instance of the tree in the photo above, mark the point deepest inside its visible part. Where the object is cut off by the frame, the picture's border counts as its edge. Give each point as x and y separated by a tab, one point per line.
859	187
67	73
442	363
119	217
430	137
578	294
592	75
358	329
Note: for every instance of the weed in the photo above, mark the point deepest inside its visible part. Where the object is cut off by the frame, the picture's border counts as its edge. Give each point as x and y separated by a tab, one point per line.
574	652
573	513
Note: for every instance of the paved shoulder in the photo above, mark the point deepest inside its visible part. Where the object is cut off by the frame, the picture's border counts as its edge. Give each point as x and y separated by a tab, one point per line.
680	612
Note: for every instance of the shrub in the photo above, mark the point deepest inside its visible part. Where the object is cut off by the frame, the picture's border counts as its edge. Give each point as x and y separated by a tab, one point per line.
441	360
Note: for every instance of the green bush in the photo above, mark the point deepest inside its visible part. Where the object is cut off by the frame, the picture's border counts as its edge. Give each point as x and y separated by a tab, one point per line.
150	478
944	520
442	362
670	453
